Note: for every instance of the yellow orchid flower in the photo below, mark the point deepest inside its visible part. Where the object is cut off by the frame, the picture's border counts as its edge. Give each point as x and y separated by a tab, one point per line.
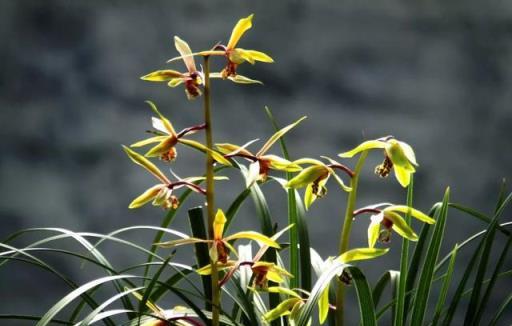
167	139
398	155
315	177
220	246
389	218
235	55
262	162
192	79
263	271
162	193
293	301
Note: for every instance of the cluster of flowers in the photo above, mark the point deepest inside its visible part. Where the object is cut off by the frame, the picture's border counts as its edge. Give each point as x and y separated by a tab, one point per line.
311	174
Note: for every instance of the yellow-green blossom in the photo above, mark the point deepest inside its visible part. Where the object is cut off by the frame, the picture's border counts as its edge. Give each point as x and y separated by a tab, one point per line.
162	193
262	162
167	139
220	246
390	218
192	79
235	55
397	155
315	177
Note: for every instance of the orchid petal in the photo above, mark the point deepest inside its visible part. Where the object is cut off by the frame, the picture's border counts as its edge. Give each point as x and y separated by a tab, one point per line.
367	145
251	56
232	150
162	75
146	164
175	82
402	175
169	129
323	305
239	79
409	152
148	141
413	212
253	174
216	156
145	197
307	176
207	269
281	164
373	233
400	226
361	254
240	28
184	49
282	309
251	235
161	148
218	224
309	196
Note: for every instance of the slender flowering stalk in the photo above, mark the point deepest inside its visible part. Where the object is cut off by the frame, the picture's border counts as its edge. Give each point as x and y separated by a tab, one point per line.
345	235
210	199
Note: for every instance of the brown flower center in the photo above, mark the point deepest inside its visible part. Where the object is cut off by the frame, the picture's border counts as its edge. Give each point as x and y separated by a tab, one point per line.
384	169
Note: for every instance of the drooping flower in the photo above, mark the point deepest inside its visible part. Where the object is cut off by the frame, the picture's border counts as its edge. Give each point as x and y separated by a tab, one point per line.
398	155
262	162
161	194
220	246
192	79
389	218
167	139
294	302
315	177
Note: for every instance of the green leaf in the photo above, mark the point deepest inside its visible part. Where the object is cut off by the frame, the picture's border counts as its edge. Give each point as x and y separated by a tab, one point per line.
425	281
390	277
487	295
300	259
275	137
446	285
488	241
196	219
64	302
400	315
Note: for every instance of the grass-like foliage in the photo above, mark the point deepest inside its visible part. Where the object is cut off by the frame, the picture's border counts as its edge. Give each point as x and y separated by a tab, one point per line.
270	275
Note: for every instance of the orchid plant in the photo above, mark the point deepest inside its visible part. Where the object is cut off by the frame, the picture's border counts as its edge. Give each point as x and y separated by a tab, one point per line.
235	282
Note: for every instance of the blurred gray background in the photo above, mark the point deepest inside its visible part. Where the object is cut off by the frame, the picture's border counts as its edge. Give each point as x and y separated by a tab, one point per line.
436	74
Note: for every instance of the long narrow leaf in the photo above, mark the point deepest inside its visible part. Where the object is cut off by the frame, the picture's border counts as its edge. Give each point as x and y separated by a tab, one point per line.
446	285
196	219
64	302
400	316
425	281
